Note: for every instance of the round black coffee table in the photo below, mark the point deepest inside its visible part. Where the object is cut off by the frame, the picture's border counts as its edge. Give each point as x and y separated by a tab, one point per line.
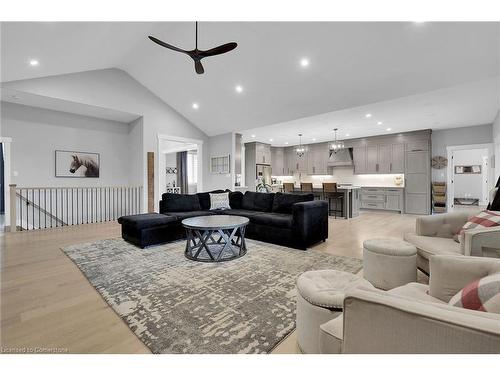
216	238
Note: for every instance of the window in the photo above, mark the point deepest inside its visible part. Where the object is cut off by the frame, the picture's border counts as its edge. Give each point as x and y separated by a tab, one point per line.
192	168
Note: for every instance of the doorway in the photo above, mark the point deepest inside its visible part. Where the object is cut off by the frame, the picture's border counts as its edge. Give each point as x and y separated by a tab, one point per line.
470	176
179	163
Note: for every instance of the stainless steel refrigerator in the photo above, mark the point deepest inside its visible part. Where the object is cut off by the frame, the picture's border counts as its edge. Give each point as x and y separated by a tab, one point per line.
263	171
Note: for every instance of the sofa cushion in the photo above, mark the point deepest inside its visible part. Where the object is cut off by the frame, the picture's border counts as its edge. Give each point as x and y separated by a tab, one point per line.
150	220
480	295
414	291
204	198
282	203
180	202
186	215
257	201
273	220
429	246
244	213
235	199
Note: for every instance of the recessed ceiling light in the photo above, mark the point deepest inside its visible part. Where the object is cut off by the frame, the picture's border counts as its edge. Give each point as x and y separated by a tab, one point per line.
379	123
368	115
347	135
270	139
239	89
253	136
195	106
34	62
304	62
388	129
313	139
286	143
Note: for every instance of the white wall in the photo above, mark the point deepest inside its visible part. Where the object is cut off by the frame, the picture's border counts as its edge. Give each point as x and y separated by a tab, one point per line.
470	185
496	140
115	89
457	137
219	145
36	133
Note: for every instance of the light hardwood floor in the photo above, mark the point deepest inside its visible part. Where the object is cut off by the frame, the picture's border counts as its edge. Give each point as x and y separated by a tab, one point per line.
46	302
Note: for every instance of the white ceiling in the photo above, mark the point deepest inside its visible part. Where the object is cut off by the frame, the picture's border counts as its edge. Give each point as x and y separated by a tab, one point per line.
474	103
351	65
55	104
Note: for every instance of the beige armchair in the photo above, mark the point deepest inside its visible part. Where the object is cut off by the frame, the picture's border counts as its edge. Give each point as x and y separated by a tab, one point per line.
434	236
416	318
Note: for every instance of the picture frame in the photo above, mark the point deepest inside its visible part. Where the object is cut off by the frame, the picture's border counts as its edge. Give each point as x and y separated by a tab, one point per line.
76	164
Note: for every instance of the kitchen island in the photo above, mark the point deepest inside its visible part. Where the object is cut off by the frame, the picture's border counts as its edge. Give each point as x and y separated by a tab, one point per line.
352	198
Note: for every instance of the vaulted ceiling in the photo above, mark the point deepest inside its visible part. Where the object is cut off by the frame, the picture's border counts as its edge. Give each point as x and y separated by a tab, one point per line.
350	64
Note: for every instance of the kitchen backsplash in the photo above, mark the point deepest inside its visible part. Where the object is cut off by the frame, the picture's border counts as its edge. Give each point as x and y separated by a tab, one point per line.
345	176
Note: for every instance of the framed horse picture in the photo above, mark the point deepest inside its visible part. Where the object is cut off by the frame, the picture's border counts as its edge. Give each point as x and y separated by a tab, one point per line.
77	164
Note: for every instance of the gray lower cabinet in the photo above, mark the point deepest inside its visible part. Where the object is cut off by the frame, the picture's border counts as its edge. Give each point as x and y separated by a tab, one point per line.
382	198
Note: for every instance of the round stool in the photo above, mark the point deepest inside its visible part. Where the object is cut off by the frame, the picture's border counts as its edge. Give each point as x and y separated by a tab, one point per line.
320	298
389	262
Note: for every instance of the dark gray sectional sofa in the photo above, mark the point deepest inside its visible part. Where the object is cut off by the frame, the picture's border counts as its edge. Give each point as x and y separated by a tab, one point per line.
293	220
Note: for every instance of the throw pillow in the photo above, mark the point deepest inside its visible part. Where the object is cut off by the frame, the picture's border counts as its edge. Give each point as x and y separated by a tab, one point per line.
480	295
484	219
219	201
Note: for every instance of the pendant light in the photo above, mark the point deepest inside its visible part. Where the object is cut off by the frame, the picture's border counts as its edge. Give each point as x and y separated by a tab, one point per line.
301	150
336	145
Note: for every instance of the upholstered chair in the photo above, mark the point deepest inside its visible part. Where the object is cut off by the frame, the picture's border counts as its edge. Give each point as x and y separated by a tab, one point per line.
416	318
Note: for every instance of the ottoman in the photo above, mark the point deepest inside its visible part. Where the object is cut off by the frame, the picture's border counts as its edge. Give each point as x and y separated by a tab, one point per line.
320	298
148	229
389	262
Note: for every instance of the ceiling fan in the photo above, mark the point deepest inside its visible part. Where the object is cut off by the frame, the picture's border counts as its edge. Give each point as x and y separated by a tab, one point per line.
197	54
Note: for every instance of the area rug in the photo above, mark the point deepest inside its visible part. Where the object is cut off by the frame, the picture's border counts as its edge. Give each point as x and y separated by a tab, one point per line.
175	305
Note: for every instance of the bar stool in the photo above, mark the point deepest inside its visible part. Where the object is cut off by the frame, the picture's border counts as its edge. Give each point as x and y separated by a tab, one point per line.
330	193
306	187
288	187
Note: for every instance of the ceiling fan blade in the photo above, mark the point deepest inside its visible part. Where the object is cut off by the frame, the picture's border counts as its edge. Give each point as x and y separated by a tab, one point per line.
198	67
218	50
163	44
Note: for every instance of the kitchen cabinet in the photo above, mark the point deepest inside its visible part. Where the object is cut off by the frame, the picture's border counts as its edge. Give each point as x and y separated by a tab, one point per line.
382	158
278	161
371	159
397	158
417	176
359	159
317	159
295	164
382	198
262	153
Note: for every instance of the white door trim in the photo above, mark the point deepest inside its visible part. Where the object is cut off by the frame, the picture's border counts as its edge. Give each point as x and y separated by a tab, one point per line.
166	137
450	172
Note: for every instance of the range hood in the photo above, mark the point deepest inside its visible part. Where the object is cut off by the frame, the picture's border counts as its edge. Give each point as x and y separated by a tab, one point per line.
342	158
